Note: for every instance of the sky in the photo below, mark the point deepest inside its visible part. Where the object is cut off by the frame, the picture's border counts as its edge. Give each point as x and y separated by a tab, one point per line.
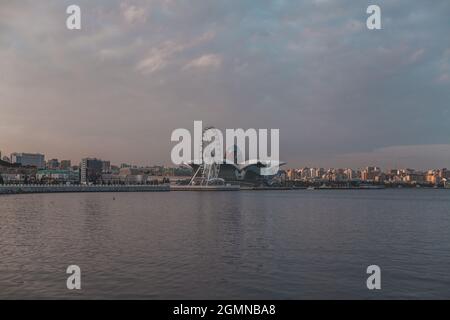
341	95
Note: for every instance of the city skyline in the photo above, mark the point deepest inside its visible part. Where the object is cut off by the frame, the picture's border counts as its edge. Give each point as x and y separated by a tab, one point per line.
28	168
74	163
341	95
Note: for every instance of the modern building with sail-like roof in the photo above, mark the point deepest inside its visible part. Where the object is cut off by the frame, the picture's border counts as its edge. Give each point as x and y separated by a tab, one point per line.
252	173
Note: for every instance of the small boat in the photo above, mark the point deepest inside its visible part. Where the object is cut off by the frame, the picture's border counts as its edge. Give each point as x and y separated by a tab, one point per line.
310	188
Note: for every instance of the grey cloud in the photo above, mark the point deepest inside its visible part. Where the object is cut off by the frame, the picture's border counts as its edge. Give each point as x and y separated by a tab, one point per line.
120	86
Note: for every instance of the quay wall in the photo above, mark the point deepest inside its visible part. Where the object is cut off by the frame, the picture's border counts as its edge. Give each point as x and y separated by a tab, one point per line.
19	189
205	188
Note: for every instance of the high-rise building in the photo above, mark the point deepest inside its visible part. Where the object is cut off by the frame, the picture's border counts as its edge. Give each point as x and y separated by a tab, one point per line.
349	174
106	167
90	170
291	174
66	164
29	159
369	173
53	164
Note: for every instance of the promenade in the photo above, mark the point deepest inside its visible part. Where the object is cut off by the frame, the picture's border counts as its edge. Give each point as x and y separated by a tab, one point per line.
19	189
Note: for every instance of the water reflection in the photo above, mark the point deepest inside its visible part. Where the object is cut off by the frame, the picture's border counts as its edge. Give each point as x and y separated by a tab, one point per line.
290	244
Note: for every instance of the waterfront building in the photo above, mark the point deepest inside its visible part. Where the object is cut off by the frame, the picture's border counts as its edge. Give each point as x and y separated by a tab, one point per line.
432	177
248	173
414	178
369	173
350	174
90	170
364	175
291	174
115	169
58	176
129	172
15	173
53	164
394	172
317	173
13	178
133	176
380	178
110	178
106	167
29	159
320	173
65	164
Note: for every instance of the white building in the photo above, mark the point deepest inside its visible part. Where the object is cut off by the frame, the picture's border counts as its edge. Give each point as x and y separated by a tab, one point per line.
13	177
61	176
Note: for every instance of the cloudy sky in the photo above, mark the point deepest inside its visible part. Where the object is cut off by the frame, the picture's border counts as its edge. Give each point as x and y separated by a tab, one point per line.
340	94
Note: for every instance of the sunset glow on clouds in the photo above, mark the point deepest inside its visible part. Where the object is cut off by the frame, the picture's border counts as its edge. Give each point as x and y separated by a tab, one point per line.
338	92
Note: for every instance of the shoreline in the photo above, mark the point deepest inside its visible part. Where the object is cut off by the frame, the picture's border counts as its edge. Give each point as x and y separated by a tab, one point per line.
33	189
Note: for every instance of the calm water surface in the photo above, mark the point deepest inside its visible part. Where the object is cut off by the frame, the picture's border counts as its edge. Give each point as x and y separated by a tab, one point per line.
227	245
